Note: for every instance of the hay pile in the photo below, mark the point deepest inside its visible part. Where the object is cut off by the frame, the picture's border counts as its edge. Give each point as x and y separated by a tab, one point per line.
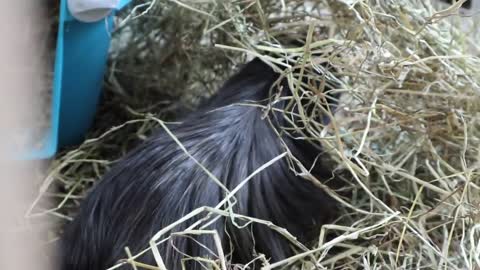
407	131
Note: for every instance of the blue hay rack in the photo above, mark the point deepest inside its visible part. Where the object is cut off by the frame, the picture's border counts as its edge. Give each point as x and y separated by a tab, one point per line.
80	62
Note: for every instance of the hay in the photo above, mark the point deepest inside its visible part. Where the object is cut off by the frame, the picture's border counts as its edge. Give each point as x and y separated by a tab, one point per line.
406	138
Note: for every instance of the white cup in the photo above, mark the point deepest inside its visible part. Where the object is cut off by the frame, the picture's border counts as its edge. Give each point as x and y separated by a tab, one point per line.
91	10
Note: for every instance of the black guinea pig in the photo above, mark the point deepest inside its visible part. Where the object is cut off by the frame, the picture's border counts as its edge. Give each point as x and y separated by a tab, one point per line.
157	183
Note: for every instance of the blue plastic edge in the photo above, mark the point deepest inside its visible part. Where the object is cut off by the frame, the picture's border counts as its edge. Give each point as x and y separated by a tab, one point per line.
80	96
123	3
53	137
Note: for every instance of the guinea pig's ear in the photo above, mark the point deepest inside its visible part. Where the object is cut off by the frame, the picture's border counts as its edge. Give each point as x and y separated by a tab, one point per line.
255	68
251	82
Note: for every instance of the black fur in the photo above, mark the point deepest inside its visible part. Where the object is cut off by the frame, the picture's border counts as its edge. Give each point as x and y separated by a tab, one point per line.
156	184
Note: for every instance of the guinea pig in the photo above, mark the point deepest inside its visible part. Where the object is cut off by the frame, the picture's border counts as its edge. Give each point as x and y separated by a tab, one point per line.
157	184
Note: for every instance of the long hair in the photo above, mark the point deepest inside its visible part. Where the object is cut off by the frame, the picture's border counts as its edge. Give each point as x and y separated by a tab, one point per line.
156	184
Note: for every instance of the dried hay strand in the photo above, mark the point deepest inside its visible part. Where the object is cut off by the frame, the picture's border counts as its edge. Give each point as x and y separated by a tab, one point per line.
405	138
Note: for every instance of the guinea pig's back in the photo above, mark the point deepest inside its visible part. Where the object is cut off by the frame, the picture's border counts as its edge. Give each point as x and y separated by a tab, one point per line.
158	183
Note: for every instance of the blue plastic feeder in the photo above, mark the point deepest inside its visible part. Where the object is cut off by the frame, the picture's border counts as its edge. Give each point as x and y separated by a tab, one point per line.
80	62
